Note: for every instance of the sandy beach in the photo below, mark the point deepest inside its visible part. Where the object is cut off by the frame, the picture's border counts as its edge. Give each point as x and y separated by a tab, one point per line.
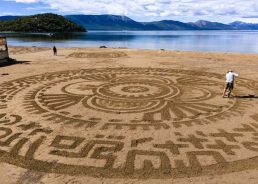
91	115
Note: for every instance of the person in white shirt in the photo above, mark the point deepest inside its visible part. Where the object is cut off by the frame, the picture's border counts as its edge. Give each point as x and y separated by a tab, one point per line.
230	80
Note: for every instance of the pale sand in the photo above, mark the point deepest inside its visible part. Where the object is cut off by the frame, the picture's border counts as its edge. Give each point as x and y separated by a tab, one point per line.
201	83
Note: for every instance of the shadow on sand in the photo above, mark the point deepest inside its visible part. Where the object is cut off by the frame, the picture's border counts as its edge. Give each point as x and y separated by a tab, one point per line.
13	62
246	96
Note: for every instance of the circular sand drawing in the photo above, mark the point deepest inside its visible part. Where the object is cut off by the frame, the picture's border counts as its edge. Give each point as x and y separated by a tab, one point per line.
128	122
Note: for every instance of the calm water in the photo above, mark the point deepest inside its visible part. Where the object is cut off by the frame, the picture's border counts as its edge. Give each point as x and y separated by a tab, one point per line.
222	41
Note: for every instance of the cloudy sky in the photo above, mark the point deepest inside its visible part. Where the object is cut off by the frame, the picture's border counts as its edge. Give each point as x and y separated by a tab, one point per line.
141	10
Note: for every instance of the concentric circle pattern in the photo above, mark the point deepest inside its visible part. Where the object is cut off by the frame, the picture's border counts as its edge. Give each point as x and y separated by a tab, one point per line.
136	91
128	122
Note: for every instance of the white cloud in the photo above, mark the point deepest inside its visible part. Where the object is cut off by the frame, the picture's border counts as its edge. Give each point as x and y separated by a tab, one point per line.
5	13
151	9
25	1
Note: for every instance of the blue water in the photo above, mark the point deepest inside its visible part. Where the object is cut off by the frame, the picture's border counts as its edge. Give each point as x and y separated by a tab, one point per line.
218	41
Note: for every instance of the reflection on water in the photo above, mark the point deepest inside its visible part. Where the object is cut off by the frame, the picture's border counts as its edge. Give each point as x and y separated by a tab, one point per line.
223	41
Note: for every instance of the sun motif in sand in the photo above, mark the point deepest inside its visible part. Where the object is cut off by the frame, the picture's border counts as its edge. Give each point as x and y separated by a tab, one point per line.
153	97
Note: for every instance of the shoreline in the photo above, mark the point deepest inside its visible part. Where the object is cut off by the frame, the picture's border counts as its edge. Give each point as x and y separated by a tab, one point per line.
137	49
207	41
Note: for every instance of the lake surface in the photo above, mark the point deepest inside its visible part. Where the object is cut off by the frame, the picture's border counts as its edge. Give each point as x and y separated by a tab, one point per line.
218	41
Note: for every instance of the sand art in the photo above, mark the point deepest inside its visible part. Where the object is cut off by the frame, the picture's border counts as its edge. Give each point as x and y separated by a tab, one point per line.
26	50
127	123
97	54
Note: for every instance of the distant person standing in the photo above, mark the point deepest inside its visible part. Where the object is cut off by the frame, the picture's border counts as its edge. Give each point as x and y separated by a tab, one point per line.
55	51
230	80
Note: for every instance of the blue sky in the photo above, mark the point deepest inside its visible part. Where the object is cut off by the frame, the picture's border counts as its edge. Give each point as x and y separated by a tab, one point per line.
141	10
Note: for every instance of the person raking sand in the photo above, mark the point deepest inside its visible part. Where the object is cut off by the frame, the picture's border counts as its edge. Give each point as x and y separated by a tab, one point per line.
230	80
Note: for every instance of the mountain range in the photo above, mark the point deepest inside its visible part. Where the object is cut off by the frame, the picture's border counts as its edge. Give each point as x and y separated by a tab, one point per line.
118	23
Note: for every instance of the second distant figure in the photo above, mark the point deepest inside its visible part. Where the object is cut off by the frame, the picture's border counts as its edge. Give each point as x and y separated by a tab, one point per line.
55	51
230	80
